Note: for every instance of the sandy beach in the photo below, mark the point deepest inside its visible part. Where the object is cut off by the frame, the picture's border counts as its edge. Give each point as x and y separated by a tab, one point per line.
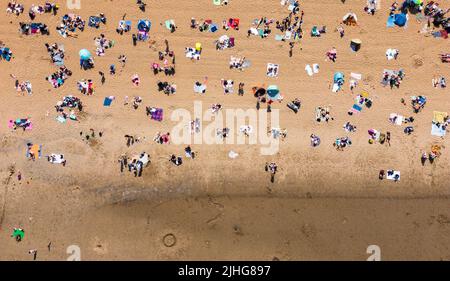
324	204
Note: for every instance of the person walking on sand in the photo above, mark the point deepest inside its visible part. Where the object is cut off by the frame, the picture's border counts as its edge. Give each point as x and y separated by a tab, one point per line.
388	138
424	158
102	75
34	253
291	47
272	168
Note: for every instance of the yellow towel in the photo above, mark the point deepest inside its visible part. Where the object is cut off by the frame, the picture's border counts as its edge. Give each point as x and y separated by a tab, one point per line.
439	116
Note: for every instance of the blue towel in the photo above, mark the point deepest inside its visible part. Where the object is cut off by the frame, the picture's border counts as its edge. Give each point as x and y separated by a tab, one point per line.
357	107
107	102
390	21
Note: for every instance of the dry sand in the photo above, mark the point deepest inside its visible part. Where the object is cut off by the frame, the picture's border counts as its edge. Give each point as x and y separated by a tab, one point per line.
116	216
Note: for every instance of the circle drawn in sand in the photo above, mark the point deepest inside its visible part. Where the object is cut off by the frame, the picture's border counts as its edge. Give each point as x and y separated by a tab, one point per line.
169	240
417	61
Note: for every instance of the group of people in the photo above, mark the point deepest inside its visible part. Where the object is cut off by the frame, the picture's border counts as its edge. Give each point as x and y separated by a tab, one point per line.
102	44
48	7
393	79
58	78
70	24
56	52
14	8
167	57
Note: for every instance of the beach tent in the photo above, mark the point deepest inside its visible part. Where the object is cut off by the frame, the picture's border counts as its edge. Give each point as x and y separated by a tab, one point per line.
400	19
85	54
144	25
273	93
355	45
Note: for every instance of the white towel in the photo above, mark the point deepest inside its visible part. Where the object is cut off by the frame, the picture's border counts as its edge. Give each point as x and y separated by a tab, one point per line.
309	70
356	76
316	68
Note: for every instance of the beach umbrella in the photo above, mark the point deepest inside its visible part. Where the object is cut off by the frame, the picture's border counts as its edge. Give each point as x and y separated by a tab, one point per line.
18	234
260	92
85	54
338	76
273	92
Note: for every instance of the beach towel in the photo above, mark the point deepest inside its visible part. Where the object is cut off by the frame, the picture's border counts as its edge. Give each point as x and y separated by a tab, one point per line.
168	23
199	88
336	88
56	158
217	2
356	76
390	21
94	21
61	119
157	114
396	119
356	108
191	53
272	69
108	101
393	175
288	35
279	37
316	68
391	53
35	149
309	70
437	130
125	25
439	117
233	155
